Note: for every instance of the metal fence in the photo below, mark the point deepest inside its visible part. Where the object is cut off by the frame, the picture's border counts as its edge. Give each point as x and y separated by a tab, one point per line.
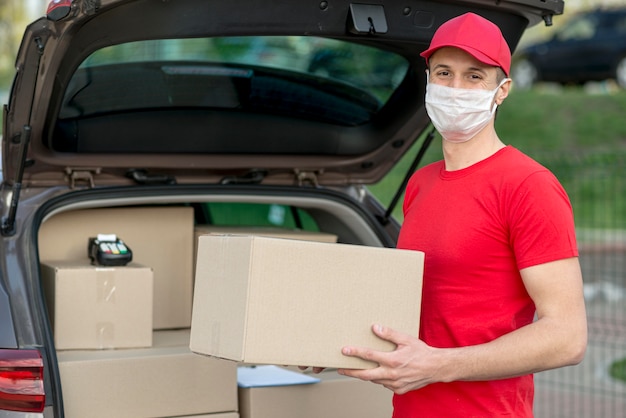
597	189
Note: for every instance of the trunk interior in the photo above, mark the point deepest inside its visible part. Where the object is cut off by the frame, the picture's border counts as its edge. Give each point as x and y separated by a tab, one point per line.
122	332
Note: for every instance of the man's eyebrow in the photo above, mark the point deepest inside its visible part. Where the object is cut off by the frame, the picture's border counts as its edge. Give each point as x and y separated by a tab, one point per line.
481	70
445	66
478	69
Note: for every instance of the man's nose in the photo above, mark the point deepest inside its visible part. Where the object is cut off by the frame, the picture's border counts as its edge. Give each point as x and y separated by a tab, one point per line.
456	82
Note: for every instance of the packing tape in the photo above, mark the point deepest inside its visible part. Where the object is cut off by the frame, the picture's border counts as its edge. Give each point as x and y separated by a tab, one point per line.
105	332
106	285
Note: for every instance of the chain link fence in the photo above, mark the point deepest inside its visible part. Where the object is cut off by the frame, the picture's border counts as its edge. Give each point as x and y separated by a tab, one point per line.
597	188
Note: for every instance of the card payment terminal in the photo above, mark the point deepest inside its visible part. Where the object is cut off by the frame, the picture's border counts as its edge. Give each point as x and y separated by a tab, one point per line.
109	250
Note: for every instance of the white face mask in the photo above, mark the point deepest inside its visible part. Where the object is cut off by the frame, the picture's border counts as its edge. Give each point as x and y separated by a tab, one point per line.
459	114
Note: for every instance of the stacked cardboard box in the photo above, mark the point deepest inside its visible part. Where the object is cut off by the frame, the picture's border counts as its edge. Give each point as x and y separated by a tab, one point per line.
98	307
159	237
334	396
162	381
268	289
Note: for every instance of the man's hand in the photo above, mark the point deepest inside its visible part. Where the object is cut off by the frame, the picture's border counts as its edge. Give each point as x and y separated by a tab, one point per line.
412	365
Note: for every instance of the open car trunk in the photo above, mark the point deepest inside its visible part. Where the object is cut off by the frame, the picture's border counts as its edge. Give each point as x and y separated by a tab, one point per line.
131	117
137	362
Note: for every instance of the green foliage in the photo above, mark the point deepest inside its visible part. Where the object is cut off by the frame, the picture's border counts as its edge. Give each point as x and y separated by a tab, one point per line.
579	136
569	120
12	22
237	214
618	370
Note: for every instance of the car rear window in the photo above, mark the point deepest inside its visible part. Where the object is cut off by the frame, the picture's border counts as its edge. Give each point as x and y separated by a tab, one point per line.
258	215
296	76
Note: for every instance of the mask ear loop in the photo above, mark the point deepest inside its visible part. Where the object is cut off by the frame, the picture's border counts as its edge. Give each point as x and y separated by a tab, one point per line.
495	102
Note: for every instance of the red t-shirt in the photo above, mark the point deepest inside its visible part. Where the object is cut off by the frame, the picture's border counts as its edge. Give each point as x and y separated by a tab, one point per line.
479	227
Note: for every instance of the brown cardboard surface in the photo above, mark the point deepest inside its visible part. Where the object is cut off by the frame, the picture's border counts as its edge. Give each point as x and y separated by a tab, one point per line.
95	308
160	238
266	232
274	232
165	380
334	397
288	302
226	415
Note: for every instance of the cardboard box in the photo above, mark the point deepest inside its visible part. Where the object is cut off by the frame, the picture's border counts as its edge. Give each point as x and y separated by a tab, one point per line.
279	301
334	396
262	231
265	232
163	381
160	237
226	415
96	307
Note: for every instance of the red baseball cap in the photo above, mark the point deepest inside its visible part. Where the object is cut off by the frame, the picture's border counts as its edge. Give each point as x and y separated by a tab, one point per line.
475	35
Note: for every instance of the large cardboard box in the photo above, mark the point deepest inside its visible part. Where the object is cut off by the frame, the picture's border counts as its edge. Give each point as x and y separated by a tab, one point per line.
160	237
163	381
96	307
288	302
334	396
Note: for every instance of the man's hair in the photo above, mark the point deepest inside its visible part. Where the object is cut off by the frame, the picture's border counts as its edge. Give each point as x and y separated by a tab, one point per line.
500	75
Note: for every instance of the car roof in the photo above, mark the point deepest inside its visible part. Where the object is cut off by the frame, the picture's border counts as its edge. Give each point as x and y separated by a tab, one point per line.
199	120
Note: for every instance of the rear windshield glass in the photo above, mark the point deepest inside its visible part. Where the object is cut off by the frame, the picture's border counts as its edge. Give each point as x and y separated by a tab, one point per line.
258	215
303	77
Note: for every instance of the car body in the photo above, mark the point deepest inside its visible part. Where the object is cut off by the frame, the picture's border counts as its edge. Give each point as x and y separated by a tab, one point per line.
591	46
209	105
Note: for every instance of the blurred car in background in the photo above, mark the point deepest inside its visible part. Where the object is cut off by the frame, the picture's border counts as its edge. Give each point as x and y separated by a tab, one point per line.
589	47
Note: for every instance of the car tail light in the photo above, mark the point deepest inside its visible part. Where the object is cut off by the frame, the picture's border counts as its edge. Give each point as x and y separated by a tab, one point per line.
21	381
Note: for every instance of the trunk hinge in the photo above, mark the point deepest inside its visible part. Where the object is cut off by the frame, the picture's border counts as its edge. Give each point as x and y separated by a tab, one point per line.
309	177
82	175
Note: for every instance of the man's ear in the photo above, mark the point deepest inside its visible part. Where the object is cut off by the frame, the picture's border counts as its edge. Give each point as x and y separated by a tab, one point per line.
503	91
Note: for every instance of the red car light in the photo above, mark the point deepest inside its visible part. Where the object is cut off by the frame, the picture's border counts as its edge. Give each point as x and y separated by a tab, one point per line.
21	381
